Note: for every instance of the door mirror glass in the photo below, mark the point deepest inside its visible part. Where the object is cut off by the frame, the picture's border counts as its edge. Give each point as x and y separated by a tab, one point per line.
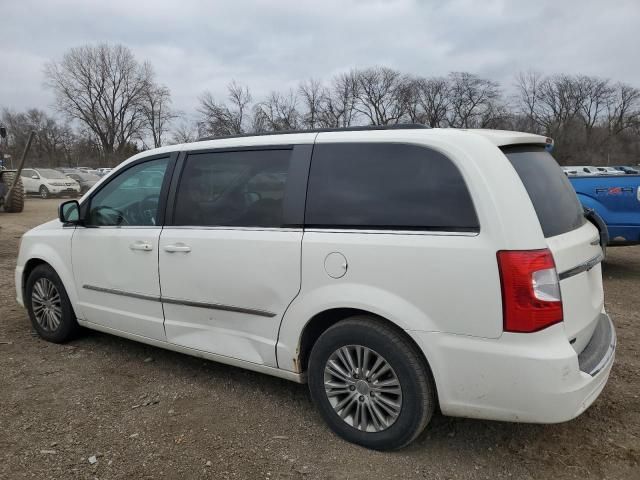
69	212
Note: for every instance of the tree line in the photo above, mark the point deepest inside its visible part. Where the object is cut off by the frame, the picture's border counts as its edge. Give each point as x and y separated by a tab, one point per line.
110	106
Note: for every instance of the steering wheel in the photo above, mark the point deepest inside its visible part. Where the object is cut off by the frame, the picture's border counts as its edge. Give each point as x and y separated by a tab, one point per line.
147	209
119	215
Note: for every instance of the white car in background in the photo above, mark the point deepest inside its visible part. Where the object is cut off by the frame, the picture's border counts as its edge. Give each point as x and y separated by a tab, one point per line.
610	171
47	182
101	172
587	170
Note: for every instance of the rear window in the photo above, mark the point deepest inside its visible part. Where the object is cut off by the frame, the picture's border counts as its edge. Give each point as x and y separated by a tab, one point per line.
554	199
387	186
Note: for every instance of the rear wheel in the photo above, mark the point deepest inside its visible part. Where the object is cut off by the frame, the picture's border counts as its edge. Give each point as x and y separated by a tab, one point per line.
15	202
49	308
44	192
371	384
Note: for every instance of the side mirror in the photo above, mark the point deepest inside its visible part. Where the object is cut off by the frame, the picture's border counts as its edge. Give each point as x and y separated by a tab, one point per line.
35	177
69	212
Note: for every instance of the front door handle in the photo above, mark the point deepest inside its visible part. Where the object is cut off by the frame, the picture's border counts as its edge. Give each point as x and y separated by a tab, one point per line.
139	245
177	247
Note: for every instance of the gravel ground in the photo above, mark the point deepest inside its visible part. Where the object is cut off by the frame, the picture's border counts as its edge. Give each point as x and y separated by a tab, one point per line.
143	412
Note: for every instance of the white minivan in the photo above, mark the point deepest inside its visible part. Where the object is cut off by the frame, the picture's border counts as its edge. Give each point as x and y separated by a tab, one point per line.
393	269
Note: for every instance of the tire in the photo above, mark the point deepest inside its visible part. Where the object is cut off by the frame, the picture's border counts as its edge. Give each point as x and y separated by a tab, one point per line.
41	279
15	203
408	368
44	192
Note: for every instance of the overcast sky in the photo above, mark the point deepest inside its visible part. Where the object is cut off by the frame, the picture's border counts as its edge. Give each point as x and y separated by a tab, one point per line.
201	45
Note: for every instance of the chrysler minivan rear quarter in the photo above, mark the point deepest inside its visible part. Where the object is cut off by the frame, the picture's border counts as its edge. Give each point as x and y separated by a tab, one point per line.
393	270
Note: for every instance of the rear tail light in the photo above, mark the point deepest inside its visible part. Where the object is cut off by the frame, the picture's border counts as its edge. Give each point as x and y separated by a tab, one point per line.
531	297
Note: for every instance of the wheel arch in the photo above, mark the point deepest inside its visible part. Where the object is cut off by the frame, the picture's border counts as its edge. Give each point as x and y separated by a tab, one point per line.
66	276
322	321
31	264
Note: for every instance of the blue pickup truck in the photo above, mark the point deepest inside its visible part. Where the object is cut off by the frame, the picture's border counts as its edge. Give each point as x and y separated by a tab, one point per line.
616	200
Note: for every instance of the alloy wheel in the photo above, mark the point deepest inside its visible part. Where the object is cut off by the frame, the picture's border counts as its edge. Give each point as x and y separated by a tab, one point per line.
46	305
363	388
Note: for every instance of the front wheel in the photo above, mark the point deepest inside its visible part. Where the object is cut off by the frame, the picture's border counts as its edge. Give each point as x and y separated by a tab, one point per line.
44	192
49	308
371	384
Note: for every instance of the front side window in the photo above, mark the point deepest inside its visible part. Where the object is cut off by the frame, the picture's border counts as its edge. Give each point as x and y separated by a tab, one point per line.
28	173
387	186
238	189
131	198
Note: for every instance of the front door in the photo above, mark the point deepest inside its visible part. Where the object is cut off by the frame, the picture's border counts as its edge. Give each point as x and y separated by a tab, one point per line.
30	184
115	256
229	265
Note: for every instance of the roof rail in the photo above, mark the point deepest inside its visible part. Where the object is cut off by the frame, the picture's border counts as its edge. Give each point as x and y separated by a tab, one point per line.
400	126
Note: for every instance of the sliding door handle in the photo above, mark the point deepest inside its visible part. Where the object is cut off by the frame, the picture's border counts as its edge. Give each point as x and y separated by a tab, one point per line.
139	245
177	247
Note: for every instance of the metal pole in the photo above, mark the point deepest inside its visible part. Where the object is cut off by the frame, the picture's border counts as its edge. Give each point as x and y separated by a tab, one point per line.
21	164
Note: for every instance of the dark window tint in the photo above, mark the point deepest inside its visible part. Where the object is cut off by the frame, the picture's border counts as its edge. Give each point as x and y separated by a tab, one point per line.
379	185
244	189
554	199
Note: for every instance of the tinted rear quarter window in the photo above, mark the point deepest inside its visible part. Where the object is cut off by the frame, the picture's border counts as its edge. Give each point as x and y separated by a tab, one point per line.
387	186
554	199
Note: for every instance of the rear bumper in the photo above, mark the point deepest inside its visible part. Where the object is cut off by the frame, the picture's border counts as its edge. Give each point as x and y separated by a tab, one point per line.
601	349
535	378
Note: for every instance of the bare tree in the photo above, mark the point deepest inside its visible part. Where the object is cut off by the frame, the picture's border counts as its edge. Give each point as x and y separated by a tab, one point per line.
526	99
433	95
278	112
338	104
220	119
470	97
313	96
593	95
103	88
184	132
623	109
53	141
381	95
157	112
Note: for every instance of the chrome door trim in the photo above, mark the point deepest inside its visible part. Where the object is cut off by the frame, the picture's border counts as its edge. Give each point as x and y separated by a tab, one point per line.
114	291
187	303
435	233
218	306
583	267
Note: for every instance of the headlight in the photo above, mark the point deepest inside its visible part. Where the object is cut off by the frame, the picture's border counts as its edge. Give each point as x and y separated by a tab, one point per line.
56	184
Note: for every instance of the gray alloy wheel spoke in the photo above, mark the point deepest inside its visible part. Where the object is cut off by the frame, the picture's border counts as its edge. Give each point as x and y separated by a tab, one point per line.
378	415
347	360
46	304
337	371
389	407
362	388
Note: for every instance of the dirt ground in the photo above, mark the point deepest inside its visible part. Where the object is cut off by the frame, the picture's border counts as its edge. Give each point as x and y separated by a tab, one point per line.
149	413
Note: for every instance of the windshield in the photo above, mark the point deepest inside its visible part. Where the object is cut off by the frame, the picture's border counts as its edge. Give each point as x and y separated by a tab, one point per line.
48	173
554	199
